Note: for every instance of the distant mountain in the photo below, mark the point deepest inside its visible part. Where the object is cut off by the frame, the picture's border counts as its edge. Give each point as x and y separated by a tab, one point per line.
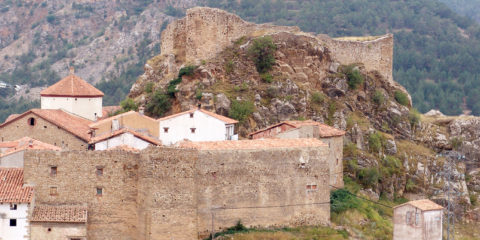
107	42
469	8
436	49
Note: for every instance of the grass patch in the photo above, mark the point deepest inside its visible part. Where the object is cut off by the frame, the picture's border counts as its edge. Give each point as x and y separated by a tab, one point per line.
401	98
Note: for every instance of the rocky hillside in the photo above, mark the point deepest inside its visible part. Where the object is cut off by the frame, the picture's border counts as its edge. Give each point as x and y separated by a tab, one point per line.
263	74
39	40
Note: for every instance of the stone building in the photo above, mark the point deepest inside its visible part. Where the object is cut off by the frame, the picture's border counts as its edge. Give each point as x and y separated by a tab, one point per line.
420	219
15	199
67	222
55	127
176	193
135	121
75	96
311	129
11	153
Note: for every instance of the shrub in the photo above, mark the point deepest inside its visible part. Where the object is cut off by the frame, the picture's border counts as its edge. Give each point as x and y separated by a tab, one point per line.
317	97
391	165
414	117
401	98
262	53
272	92
128	104
266	77
51	18
456	142
410	186
241	110
378	97
229	65
198	94
375	142
473	199
149	87
187	71
159	104
368	177
354	76
341	200
172	86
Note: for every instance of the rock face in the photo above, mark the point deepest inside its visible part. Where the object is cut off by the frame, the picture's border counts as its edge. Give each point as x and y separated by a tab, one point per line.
309	80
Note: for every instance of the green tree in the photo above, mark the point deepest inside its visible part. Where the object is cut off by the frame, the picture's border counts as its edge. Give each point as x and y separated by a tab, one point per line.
159	104
262	52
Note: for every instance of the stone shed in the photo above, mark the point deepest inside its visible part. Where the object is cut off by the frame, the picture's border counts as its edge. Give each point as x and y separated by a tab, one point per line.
420	219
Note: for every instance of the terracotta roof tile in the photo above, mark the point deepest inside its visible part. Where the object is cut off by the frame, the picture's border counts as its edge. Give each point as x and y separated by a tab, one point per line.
125	130
12	116
59	214
11	186
76	125
324	130
217	116
107	110
72	86
24	144
423	204
253	144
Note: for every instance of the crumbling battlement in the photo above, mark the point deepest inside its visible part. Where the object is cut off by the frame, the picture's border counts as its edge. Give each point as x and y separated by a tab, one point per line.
205	32
173	193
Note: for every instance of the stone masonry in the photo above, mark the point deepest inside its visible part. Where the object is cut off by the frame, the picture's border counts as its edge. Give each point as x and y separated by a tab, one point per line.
173	193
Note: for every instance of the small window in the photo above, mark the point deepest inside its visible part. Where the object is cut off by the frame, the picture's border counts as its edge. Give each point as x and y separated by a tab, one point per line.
99	171
53	171
165	130
31	121
192	130
191	115
337	161
75	99
13	206
44	126
312	187
99	191
53	191
13	222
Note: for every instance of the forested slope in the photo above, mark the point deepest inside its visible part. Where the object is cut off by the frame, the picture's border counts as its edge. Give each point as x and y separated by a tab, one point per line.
469	8
436	50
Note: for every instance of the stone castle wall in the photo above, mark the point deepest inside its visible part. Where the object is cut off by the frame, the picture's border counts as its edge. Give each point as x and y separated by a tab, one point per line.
375	55
168	193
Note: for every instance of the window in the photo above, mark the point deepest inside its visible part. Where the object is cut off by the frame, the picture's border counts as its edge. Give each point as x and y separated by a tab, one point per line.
99	191
53	191
13	222
191	115
31	121
44	126
337	161
165	130
312	187
192	130
53	171
99	171
13	206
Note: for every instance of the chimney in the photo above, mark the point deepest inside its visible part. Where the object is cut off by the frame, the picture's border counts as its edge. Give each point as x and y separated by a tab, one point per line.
30	143
72	70
141	110
199	106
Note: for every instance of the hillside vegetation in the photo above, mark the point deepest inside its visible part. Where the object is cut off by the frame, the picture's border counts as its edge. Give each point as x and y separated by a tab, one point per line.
436	50
469	8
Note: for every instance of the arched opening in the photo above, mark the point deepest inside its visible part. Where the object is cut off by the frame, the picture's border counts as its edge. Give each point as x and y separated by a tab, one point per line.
31	121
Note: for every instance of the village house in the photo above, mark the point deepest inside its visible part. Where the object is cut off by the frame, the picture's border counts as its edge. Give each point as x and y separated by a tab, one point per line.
333	137
67	222
123	137
15	199
420	219
135	121
75	96
11	153
196	125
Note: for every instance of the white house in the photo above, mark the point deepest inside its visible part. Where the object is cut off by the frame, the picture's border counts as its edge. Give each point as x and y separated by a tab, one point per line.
73	95
196	125
123	137
11	152
14	204
420	219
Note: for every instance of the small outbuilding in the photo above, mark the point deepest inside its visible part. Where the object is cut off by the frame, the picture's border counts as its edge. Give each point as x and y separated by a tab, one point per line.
420	219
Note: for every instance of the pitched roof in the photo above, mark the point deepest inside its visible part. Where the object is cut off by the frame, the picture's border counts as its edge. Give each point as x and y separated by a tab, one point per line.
71	86
126	130
423	204
73	124
217	116
23	144
60	214
12	116
11	186
253	144
324	130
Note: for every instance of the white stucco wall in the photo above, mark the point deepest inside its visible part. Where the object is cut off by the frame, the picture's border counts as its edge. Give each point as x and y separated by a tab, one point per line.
85	107
13	233
207	128
123	139
14	160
